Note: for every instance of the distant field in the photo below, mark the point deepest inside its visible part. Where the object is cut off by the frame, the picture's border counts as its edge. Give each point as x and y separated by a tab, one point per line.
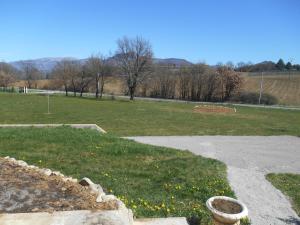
113	85
286	88
125	118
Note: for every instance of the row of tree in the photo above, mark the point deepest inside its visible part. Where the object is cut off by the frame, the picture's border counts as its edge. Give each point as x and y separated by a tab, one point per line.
76	77
199	82
8	74
133	62
267	66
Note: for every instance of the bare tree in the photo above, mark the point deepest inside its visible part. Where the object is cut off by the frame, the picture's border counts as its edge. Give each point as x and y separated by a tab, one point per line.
230	82
165	83
7	74
198	82
62	74
6	79
211	86
99	67
135	58
85	78
184	82
31	74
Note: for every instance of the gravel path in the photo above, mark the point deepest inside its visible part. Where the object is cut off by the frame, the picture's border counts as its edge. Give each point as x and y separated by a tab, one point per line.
248	159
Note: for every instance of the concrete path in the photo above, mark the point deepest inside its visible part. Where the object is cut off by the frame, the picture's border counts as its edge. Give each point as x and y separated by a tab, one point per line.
248	159
78	126
161	221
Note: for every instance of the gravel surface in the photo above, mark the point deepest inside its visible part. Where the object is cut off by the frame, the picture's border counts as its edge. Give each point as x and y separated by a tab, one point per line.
249	159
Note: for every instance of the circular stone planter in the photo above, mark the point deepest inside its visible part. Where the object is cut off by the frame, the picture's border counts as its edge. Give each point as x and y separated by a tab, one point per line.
226	211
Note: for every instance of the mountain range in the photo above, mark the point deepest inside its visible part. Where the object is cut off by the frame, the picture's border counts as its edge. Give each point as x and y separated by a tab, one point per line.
47	64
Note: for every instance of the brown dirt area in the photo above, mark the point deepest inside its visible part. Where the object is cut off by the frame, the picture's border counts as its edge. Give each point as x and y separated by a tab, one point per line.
24	189
213	109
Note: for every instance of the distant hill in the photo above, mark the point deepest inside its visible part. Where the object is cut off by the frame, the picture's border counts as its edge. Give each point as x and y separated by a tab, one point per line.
43	64
172	61
47	64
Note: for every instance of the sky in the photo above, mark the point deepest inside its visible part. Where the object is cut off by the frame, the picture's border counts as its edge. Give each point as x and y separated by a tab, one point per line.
200	31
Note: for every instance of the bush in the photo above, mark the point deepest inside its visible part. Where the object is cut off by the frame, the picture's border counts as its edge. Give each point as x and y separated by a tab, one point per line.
253	98
7	89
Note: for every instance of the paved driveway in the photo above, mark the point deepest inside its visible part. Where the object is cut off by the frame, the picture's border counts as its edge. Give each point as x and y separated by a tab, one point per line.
248	159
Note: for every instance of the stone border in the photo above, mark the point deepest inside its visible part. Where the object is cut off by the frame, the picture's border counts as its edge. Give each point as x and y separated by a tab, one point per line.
78	126
121	215
94	188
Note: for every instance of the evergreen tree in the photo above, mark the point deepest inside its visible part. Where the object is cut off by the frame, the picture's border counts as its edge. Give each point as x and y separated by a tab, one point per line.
289	66
280	65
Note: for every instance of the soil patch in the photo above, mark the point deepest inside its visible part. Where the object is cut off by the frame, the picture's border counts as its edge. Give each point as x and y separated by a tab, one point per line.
24	189
213	109
226	206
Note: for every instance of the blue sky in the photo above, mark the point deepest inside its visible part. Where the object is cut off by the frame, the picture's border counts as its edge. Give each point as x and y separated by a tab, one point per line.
207	31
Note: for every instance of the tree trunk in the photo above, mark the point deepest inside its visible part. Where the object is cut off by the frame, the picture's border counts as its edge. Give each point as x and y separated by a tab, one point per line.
97	89
97	86
66	89
101	90
131	92
102	87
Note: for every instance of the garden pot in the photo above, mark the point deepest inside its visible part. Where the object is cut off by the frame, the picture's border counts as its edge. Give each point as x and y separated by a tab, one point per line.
226	211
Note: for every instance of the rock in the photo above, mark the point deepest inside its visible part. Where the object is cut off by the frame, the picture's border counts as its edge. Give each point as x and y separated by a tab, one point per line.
32	167
121	205
57	173
70	179
106	198
22	163
85	182
95	188
100	197
47	172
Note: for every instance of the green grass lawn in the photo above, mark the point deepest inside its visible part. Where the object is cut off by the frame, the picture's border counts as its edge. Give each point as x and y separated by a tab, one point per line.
125	118
289	184
153	181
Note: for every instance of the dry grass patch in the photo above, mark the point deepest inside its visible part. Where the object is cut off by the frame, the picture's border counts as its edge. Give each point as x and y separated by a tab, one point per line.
213	109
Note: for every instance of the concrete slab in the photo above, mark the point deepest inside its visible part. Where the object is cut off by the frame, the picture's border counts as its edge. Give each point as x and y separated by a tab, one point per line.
161	221
88	126
82	217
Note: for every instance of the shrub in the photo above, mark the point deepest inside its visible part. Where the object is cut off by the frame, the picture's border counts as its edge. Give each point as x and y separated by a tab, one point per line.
253	98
